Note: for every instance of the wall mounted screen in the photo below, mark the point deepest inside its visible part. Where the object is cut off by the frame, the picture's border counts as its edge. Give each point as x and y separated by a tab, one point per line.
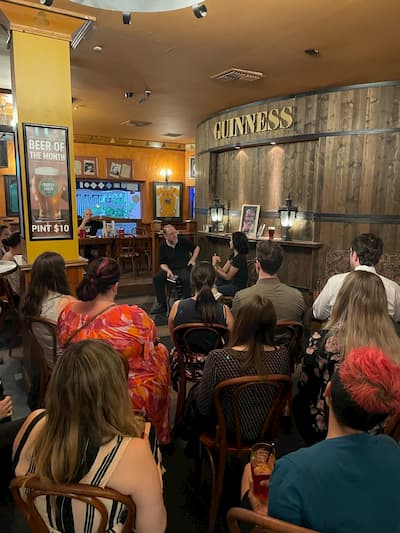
114	199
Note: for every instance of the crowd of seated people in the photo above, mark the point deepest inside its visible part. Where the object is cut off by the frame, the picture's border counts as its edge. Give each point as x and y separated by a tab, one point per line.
351	368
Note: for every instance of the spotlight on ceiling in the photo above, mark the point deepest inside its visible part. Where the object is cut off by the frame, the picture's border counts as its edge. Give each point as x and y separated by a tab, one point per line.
129	94
199	11
47	3
126	18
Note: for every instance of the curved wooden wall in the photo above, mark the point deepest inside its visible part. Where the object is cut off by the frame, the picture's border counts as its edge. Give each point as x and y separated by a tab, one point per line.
340	160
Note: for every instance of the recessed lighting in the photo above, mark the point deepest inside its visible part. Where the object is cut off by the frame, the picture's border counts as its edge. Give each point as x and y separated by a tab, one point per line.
97	48
272	142
313	52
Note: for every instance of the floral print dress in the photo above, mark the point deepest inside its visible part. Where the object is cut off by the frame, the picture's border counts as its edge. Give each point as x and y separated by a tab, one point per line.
132	333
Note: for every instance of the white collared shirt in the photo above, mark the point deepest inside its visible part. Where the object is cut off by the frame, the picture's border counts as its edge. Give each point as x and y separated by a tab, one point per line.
322	306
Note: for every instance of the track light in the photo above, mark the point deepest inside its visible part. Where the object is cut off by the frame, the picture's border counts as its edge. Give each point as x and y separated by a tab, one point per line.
126	18
199	11
47	3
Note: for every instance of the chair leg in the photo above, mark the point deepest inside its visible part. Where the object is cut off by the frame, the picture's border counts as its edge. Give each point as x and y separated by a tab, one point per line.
180	404
219	483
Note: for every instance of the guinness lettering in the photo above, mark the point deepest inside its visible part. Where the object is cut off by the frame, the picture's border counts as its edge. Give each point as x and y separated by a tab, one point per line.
274	119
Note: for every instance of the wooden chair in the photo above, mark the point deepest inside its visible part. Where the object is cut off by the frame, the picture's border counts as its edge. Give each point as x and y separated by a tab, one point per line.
87	494
292	333
9	312
36	362
262	524
125	251
392	427
268	398
182	336
143	248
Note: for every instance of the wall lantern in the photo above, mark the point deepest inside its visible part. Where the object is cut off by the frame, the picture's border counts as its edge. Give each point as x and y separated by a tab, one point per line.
166	173
287	214
216	212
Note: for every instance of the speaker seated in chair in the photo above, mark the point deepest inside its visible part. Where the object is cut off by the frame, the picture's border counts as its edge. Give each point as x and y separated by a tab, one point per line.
101	444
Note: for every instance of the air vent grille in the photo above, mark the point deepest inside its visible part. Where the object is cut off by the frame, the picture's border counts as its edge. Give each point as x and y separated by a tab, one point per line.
136	123
235	74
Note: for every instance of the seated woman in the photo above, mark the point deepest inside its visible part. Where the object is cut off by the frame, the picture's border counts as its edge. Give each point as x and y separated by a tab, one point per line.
359	318
232	277
130	331
13	245
89	434
251	351
338	485
47	295
202	307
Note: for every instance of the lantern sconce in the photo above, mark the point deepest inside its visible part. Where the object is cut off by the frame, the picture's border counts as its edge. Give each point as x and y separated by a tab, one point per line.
166	173
287	214
216	210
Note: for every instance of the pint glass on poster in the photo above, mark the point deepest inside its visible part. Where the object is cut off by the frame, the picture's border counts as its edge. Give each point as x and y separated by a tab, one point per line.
48	185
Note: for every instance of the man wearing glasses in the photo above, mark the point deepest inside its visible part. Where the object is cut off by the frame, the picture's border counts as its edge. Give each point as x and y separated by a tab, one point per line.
177	255
365	252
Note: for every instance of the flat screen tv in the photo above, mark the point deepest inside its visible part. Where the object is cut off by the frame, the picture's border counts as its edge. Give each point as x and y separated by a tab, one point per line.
111	199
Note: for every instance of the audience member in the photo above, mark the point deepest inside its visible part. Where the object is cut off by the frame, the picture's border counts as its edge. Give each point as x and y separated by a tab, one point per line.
288	302
232	277
130	331
251	351
89	434
4	234
359	318
200	308
177	255
13	245
365	252
348	482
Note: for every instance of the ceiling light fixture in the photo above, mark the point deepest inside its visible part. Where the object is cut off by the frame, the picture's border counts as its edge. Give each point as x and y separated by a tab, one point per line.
313	52
47	3
199	11
126	18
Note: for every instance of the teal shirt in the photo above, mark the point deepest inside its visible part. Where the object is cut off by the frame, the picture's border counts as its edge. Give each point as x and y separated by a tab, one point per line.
343	485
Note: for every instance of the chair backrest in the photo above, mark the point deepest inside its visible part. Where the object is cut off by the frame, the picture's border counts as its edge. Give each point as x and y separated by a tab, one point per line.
88	494
262	524
39	354
124	246
290	334
392	427
250	407
185	336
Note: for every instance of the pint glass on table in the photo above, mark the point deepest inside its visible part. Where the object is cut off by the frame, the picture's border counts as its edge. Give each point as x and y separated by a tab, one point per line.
49	187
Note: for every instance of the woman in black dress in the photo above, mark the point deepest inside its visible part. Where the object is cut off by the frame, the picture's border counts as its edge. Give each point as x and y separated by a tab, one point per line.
232	277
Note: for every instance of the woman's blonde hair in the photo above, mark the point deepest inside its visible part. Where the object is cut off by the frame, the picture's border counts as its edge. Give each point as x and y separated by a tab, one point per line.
360	315
87	401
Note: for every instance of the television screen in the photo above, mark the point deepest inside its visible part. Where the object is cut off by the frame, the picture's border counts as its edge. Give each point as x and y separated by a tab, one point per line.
112	199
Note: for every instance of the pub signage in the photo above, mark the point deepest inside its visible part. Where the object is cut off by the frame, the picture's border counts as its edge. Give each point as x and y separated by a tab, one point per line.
261	121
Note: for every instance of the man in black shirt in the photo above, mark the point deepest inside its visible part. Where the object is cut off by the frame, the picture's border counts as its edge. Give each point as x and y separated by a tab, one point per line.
177	255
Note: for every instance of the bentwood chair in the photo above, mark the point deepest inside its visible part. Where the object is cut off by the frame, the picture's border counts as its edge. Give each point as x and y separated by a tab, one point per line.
248	410
262	524
183	338
94	497
290	334
125	252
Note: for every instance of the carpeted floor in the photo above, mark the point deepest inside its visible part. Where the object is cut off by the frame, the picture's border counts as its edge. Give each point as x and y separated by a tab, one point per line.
187	501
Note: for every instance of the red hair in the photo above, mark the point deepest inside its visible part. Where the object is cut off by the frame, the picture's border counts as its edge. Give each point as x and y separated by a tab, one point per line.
372	380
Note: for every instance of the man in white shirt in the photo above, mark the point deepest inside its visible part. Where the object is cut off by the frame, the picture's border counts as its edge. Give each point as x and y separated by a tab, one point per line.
365	252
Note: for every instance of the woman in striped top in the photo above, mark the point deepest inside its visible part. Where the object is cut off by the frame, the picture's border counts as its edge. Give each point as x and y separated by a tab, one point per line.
89	434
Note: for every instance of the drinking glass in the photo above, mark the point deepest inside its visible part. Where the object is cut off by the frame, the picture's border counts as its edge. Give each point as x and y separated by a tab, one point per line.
271	232
262	462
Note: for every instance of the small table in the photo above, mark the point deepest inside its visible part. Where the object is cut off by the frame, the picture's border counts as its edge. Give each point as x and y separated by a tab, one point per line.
7	267
97	242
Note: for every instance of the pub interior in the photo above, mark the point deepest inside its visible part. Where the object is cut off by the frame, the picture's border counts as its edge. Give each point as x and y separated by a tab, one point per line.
306	167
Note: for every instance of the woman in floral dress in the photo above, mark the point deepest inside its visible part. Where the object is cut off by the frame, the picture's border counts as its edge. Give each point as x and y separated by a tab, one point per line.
130	331
359	318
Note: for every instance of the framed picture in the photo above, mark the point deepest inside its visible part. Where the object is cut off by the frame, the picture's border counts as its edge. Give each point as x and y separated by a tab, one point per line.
192	167
86	166
249	219
167	201
48	181
119	168
11	194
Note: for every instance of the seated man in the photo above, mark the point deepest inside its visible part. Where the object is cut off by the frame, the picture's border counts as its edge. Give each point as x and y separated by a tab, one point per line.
88	223
176	256
349	482
365	252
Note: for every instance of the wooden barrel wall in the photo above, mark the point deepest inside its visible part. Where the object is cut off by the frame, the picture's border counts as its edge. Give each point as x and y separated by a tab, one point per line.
340	160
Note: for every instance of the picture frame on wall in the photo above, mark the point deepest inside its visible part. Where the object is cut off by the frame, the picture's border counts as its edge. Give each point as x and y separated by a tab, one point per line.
192	166
167	201
11	194
119	168
48	181
86	166
249	216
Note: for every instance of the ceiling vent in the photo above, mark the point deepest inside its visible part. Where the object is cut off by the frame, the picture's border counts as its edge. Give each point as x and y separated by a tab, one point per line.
172	134
136	123
234	74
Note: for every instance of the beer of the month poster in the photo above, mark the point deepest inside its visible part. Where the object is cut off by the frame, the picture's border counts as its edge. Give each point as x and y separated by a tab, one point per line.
48	181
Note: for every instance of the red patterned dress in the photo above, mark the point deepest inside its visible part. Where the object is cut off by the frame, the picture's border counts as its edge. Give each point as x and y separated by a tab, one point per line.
132	333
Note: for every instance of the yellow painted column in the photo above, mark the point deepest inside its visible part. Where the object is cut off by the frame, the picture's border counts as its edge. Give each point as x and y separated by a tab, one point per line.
41	85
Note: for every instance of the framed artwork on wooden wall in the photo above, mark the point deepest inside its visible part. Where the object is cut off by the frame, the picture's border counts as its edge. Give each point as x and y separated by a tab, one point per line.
167	201
119	168
86	166
192	167
249	219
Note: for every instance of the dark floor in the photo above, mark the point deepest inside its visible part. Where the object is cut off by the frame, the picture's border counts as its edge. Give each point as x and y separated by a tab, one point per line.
187	501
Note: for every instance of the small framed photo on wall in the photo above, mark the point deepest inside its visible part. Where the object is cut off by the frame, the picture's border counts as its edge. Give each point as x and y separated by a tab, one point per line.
249	219
192	167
